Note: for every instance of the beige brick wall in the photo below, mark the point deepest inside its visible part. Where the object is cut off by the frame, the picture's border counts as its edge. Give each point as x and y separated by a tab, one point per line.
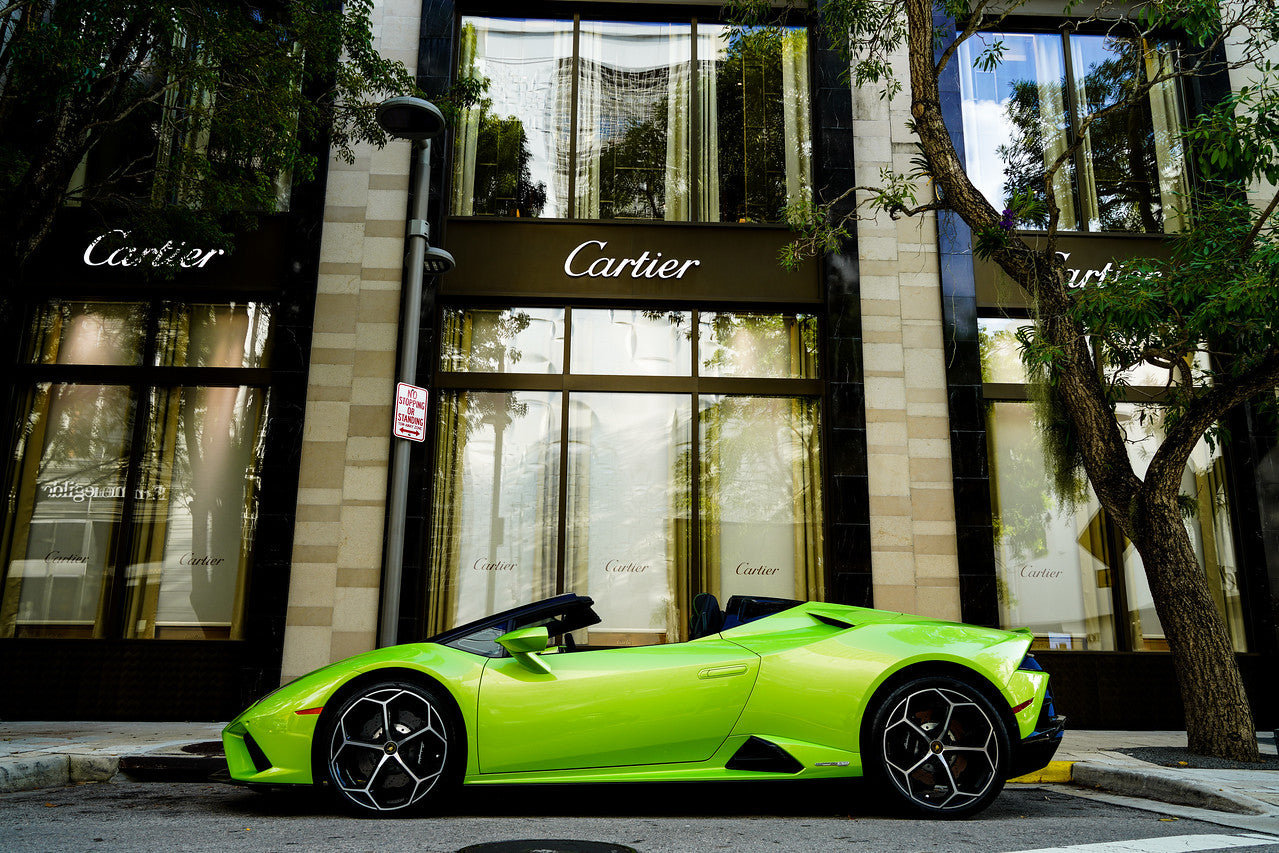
914	562
337	548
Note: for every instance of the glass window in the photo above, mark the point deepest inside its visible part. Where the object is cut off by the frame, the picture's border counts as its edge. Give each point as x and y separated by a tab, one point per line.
496	503
499	340
633	107
662	489
1054	562
1064	570
764	346
761	508
629	342
649	121
628	511
1128	176
1204	483
133	505
511	151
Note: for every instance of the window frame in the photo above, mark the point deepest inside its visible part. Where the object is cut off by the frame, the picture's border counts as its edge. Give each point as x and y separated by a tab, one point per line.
142	380
694	386
661	14
1063	30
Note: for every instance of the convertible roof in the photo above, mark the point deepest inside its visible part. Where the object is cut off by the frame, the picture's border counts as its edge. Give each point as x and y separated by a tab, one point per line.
570	611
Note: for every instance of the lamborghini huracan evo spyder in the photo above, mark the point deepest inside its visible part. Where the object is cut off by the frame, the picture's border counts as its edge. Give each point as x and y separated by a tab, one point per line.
765	689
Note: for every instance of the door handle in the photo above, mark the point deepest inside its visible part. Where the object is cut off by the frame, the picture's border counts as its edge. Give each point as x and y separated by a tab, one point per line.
722	671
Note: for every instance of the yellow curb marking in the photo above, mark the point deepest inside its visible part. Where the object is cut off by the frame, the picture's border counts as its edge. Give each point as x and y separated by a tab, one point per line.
1056	771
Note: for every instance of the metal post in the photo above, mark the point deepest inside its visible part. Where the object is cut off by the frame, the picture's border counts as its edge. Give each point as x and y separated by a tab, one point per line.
417	237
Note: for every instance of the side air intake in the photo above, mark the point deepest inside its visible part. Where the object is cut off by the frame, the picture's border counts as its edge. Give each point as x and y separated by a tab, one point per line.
761	756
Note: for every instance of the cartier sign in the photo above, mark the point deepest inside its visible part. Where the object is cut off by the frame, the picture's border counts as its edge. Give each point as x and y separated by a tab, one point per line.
594	262
168	255
671	261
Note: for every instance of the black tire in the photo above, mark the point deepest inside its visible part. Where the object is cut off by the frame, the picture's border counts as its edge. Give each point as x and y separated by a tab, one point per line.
389	747
938	746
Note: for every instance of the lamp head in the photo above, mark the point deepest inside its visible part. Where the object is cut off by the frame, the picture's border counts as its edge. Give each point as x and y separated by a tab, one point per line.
410	118
437	261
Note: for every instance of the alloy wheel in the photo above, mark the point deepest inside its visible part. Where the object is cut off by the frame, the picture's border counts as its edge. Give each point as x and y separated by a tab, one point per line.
941	749
389	748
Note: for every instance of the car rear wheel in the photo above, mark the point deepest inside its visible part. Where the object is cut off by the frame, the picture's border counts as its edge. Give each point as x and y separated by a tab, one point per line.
388	746
941	746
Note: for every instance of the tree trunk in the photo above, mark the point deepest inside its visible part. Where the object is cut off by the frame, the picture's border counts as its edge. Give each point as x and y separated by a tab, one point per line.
1218	719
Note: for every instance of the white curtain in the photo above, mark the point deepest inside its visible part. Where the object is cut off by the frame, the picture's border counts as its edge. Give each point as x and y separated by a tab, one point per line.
708	112
797	123
466	133
1165	111
1050	73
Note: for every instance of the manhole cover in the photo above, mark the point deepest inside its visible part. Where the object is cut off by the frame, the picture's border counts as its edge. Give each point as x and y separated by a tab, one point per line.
209	747
547	846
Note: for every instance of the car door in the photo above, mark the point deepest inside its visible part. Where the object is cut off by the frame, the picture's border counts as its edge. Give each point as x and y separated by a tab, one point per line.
612	707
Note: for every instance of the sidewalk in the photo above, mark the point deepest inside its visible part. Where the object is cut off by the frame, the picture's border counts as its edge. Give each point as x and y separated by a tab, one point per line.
1155	766
41	754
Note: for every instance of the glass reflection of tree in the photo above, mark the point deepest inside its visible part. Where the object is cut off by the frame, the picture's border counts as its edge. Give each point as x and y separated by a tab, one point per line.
1024	155
504	183
751	127
1120	148
1122	142
633	168
492	351
767	345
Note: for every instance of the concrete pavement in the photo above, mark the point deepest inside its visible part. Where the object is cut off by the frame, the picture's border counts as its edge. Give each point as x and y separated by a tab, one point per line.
1130	764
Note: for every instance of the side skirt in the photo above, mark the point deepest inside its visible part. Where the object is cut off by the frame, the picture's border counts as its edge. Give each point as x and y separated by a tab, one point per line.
814	761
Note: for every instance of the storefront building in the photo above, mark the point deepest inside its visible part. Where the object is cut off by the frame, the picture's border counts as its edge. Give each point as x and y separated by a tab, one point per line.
629	397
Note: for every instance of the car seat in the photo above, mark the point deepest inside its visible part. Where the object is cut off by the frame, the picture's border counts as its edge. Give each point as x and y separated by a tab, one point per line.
706	618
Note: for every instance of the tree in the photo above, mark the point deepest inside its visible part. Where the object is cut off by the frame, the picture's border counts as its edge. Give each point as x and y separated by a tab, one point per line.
183	119
1206	316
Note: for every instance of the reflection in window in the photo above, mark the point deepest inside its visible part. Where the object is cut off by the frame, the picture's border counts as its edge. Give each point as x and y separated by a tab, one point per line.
1054	562
497	340
630	342
196	513
68	490
1057	563
633	121
1129	175
495	535
660	490
761	507
108	536
511	156
761	346
628	511
88	333
229	335
1204	482
652	135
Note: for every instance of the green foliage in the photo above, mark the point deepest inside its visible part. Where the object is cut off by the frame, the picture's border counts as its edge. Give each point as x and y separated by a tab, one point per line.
185	118
1238	138
1215	295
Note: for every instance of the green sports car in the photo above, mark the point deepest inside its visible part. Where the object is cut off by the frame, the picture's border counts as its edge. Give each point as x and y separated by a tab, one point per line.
766	689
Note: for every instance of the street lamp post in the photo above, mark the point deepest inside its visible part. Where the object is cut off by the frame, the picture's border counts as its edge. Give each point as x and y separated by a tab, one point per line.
417	121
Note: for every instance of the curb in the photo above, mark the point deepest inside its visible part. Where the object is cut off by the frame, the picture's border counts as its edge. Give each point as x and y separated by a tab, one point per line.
34	771
1166	786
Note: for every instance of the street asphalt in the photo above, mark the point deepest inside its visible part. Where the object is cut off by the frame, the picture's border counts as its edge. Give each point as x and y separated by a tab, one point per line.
1140	766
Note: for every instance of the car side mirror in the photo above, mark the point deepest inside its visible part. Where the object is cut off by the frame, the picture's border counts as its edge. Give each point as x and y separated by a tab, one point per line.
524	644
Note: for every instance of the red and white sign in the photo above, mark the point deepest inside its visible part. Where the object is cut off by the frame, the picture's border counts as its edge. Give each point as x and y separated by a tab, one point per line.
410	412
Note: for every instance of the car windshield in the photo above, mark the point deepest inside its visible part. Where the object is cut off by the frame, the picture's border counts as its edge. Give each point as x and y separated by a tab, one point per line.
560	615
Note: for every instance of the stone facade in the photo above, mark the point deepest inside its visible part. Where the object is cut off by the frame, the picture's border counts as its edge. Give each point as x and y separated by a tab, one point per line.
338	542
914	562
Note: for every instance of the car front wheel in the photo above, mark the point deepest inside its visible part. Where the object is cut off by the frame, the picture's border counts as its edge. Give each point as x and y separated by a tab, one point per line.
941	746
388	746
